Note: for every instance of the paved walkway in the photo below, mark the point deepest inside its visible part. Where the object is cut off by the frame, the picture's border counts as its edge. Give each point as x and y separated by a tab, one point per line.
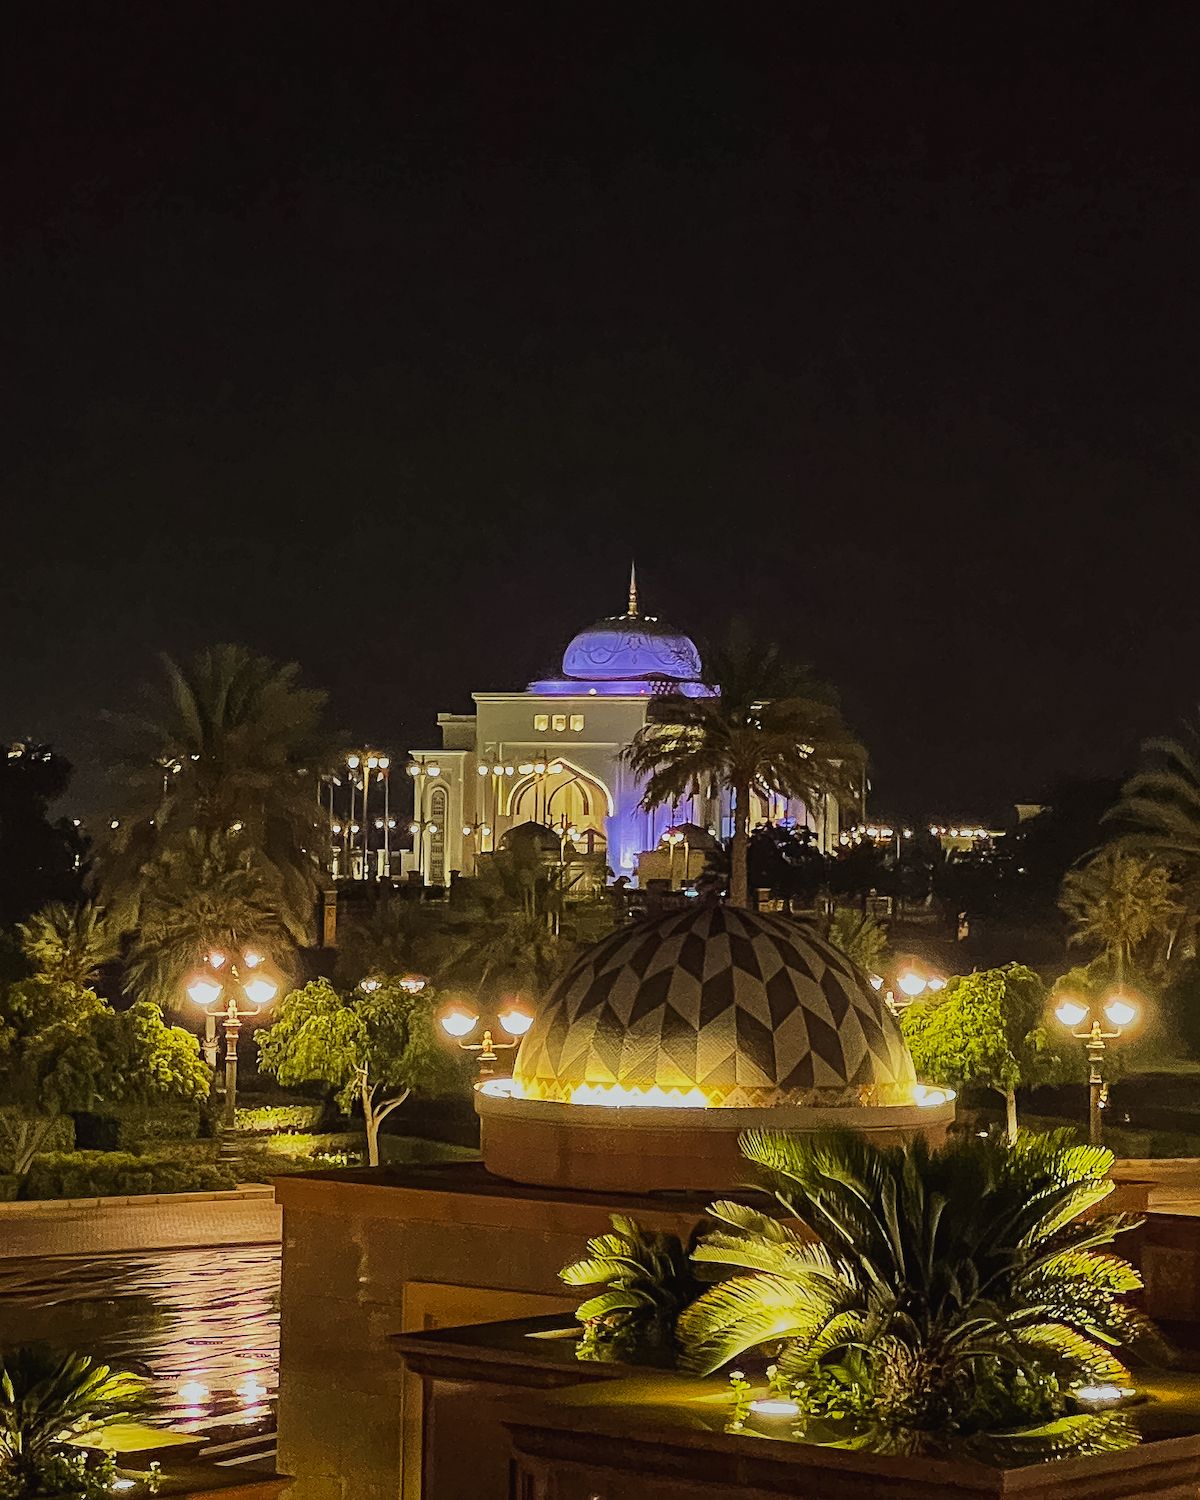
98	1226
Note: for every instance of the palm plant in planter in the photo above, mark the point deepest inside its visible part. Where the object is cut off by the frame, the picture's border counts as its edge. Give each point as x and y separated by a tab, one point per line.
45	1400
950	1299
647	1280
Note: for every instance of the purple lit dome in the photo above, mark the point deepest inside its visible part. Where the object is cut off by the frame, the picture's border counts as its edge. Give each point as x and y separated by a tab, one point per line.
631	648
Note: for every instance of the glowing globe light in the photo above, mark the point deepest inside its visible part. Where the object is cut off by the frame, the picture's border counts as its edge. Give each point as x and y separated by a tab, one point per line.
1120	1011
352	762
216	959
458	1023
516	1022
204	991
261	991
936	984
1071	1012
433	770
482	770
412	984
912	984
931	1097
251	958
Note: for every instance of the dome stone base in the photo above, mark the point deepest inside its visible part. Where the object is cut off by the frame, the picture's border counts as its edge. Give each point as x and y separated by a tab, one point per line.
642	1148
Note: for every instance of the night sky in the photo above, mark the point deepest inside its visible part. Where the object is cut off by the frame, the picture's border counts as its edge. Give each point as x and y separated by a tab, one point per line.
381	338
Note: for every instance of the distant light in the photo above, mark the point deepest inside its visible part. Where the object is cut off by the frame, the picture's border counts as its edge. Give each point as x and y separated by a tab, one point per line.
466	830
433	770
378	822
525	767
908	833
929	1097
1071	1012
372	762
876	981
193	1392
412	768
261	991
413	984
354	828
368	986
384	762
1102	1395
556	767
352	761
459	1023
116	823
216	959
935	984
204	991
251	958
414	828
486	830
483	770
433	828
1121	1012
772	1406
251	1390
337	828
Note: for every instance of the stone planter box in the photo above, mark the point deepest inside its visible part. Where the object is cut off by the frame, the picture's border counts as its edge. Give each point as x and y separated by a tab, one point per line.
510	1414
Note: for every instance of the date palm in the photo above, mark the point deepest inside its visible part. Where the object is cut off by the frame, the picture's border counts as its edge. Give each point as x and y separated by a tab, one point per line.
767	727
69	942
1122	904
229	746
936	1295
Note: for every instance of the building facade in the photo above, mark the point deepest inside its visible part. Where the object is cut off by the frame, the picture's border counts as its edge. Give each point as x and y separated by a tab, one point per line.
552	756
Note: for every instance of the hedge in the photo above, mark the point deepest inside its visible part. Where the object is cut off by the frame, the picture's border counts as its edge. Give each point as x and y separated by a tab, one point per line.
109	1174
60	1138
274	1119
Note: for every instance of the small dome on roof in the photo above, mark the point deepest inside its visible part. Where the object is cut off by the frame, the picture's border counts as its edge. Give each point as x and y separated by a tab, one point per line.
531	835
632	648
751	1009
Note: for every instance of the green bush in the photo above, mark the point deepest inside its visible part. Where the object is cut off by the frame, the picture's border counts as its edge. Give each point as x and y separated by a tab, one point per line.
61	1137
274	1119
137	1127
109	1174
9	1184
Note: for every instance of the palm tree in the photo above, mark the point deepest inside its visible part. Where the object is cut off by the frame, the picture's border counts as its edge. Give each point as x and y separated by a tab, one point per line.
860	937
230	746
70	943
647	1280
200	895
1119	903
47	1398
962	1293
766	727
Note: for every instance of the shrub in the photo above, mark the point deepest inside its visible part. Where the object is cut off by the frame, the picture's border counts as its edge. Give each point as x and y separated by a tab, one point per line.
61	1137
107	1174
273	1119
641	1281
9	1184
137	1127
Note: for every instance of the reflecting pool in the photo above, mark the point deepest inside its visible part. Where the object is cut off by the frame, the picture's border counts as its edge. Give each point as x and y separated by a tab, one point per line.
202	1324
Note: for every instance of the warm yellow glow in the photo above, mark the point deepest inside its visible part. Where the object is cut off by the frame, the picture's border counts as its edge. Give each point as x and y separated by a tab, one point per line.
459	1023
911	984
193	1392
770	1406
1071	1012
654	1097
1121	1011
251	1390
261	990
1102	1395
930	1097
412	984
515	1022
204	991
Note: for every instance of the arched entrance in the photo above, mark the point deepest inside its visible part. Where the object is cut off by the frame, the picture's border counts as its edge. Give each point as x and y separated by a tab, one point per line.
563	797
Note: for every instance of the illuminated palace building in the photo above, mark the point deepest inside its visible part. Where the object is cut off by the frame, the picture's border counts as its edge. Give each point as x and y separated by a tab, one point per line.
548	760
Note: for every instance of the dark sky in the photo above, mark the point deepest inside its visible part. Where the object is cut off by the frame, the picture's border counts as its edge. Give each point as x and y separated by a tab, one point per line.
382	337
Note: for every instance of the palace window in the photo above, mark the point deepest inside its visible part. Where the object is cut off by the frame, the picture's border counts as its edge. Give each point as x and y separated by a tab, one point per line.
577	722
560	722
541	722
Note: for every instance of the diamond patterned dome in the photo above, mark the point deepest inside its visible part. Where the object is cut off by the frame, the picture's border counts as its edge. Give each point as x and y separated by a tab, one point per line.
750	1009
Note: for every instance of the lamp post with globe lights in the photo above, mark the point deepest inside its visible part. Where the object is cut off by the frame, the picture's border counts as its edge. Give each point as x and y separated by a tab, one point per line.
218	988
459	1022
1121	1011
422	773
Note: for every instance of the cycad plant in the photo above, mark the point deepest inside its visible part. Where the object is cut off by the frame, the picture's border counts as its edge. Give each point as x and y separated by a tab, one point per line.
47	1398
926	1299
647	1280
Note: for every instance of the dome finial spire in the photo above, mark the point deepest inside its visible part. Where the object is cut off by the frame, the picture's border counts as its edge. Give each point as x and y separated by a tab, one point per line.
632	610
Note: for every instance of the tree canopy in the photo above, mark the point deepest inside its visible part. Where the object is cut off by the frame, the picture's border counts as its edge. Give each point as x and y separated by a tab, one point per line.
374	1047
1125	906
63	1049
984	1029
768	727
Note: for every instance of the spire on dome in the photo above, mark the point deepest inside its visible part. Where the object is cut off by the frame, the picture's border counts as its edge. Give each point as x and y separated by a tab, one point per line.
632	611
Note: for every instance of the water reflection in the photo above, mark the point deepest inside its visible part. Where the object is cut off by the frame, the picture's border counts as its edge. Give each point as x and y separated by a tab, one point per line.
203	1324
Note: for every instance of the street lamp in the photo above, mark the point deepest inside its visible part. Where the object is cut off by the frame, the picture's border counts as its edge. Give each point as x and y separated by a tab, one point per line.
673	837
1120	1010
459	1022
216	989
422	773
